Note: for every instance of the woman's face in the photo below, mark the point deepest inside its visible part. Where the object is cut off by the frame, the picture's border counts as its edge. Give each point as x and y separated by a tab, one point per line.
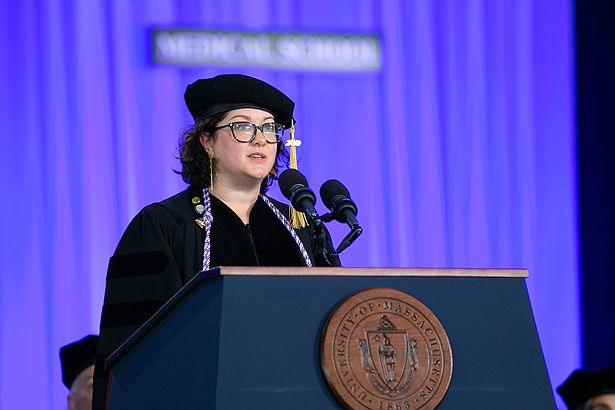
241	164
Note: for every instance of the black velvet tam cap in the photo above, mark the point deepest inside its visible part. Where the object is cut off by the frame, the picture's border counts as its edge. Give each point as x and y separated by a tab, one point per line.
210	96
582	386
75	357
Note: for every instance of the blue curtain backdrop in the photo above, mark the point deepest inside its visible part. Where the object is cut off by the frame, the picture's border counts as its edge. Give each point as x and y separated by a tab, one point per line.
460	152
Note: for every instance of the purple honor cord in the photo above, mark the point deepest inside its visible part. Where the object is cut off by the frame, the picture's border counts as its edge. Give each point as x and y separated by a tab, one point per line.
208	220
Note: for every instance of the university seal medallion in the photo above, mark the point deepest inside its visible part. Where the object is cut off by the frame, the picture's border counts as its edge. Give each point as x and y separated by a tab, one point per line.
383	349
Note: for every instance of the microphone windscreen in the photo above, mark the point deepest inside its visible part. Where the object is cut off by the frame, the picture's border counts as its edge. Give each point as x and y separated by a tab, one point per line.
330	190
288	179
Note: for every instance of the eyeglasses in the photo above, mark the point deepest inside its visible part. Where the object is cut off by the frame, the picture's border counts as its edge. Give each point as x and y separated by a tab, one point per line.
246	131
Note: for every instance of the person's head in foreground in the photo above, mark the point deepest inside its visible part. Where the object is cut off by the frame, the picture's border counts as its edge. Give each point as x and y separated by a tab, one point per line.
589	391
77	370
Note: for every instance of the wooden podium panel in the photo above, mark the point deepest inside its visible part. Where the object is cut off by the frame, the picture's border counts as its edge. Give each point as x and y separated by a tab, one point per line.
249	338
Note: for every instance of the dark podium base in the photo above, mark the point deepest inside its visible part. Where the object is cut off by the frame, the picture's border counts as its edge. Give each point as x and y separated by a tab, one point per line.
253	342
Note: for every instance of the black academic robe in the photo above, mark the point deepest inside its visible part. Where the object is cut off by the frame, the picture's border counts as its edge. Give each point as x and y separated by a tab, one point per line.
162	249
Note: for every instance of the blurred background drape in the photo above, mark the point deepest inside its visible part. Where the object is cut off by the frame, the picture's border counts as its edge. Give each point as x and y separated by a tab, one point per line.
460	151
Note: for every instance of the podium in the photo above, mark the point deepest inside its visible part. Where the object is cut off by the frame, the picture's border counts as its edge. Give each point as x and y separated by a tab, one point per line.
250	338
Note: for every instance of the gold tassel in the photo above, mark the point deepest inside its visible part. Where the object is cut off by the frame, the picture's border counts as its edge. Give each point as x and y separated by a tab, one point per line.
297	219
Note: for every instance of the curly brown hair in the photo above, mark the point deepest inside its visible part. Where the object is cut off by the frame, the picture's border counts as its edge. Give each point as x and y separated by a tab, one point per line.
195	161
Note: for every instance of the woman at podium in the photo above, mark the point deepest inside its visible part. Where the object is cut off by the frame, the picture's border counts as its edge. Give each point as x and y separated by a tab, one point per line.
229	157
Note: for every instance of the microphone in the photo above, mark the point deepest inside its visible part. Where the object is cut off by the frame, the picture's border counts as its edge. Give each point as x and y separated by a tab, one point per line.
295	188
336	197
